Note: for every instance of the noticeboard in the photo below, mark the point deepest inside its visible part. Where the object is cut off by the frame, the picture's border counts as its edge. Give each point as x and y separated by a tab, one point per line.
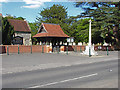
17	40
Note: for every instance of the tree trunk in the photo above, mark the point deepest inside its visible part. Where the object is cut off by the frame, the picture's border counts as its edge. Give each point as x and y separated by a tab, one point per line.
117	36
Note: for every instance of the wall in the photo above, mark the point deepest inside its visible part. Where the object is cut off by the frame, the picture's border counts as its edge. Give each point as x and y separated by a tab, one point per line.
22	48
74	48
47	49
2	49
26	37
82	48
104	48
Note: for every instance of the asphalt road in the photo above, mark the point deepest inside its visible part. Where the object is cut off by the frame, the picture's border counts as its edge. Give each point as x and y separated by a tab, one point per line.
28	62
94	75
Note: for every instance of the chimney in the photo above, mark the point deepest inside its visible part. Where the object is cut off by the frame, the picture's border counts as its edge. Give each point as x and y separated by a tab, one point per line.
0	14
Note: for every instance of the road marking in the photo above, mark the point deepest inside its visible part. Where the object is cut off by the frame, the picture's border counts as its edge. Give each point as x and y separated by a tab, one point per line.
67	80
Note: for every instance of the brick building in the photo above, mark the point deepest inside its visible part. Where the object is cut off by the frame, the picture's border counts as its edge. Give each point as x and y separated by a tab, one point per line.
22	33
0	14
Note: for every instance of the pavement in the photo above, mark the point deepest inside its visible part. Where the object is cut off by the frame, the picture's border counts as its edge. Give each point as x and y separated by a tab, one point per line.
22	62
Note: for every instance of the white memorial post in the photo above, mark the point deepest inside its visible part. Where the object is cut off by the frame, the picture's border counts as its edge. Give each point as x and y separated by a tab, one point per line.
90	33
90	49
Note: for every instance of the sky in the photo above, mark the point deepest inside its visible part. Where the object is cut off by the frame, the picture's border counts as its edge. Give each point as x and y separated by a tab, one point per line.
29	9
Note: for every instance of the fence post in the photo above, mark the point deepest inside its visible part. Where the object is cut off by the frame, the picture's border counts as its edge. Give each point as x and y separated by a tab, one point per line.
89	52
58	49
18	50
42	48
107	51
75	48
7	50
80	49
84	48
31	49
67	49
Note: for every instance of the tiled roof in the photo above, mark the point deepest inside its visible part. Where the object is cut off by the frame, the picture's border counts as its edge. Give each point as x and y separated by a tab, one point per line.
53	30
19	25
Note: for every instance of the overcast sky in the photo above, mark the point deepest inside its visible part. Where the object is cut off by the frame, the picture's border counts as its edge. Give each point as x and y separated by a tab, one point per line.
29	9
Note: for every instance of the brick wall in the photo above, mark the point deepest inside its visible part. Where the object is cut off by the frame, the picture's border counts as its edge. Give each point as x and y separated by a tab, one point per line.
82	48
74	48
2	49
47	49
103	48
22	48
38	48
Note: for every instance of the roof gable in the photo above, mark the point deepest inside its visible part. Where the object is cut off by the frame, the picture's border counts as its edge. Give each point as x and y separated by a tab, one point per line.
20	25
42	29
53	30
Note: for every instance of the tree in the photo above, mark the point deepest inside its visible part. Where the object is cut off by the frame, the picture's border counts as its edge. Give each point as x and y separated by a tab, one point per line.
34	29
97	38
14	17
55	14
20	18
106	18
82	30
7	32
